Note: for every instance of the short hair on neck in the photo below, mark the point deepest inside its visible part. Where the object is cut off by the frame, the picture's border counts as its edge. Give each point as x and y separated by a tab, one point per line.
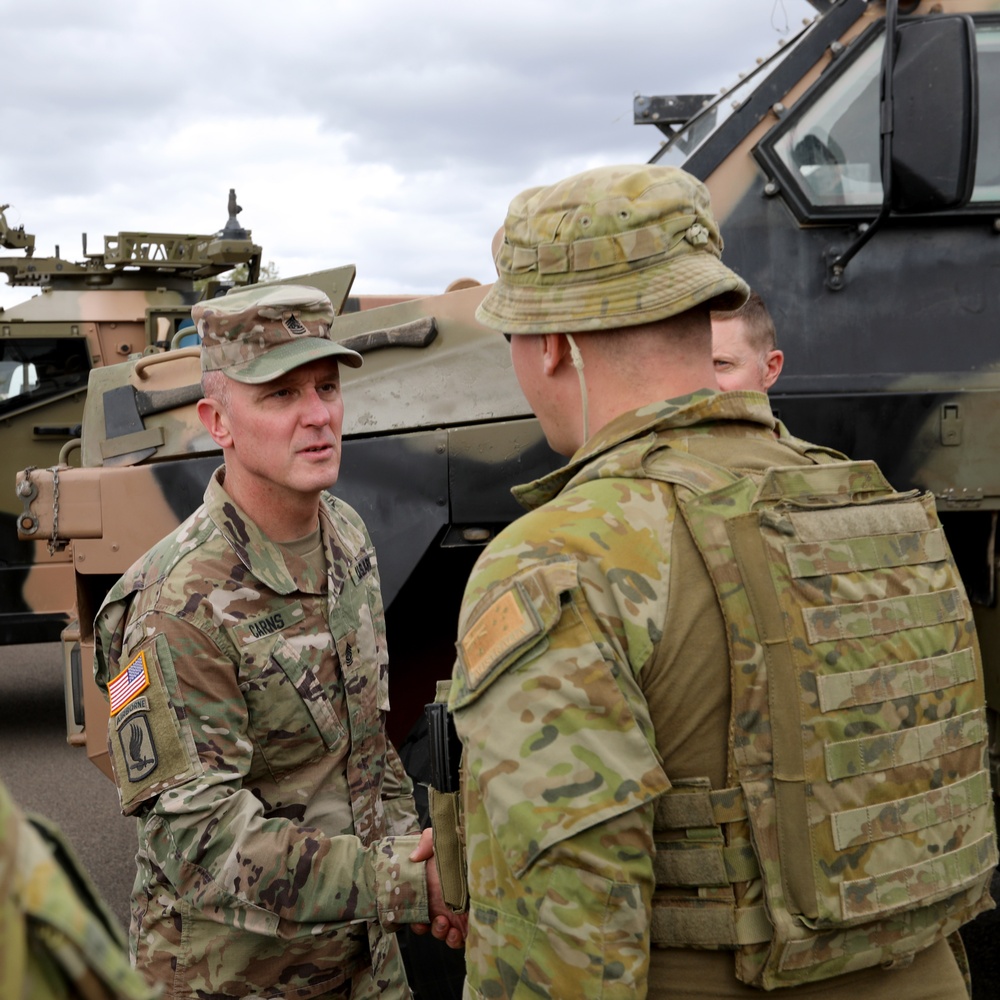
633	349
756	320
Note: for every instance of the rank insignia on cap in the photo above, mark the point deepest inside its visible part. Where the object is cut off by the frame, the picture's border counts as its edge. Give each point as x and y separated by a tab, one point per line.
294	326
131	681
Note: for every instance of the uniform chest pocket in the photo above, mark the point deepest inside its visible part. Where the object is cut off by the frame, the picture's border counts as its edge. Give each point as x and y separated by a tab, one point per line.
296	704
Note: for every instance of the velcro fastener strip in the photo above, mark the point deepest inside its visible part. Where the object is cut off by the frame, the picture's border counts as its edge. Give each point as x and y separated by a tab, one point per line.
695	924
892	614
869	824
683	809
682	863
895	680
884	751
859	522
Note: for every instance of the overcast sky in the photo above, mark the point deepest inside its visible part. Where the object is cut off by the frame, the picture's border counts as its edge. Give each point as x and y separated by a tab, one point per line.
383	133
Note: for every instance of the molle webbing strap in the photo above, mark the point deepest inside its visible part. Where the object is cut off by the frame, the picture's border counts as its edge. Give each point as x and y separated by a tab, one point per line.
858	732
895	680
870	754
699	923
704	861
867	824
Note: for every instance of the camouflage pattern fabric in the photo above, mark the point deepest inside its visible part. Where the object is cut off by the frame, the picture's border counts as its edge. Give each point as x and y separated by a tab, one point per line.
607	248
573	729
57	938
254	334
861	800
248	693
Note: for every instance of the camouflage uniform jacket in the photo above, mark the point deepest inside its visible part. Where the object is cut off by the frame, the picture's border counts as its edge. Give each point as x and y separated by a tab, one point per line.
592	664
247	733
57	938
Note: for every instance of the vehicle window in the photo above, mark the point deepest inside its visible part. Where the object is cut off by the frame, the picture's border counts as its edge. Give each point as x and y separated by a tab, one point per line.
833	149
829	147
988	155
34	369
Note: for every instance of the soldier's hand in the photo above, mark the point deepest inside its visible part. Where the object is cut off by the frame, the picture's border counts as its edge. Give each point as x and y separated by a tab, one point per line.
445	925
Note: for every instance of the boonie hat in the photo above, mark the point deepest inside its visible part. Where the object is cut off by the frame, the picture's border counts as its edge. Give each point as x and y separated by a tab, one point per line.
256	333
610	247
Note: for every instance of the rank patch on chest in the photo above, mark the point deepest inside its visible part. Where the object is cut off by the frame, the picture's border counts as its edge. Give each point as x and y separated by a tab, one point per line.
132	681
503	626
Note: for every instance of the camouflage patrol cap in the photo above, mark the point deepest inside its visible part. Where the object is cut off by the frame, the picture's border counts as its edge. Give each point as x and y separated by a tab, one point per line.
610	247
256	333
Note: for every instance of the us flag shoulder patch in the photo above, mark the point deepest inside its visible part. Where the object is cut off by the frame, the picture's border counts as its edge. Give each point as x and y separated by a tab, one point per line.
131	681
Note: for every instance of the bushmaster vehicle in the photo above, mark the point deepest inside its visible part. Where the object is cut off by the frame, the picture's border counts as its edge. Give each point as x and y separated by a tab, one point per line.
134	293
883	295
859	194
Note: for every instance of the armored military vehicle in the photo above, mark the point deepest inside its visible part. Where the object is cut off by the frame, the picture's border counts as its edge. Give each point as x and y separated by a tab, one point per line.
869	234
864	208
134	294
858	190
878	278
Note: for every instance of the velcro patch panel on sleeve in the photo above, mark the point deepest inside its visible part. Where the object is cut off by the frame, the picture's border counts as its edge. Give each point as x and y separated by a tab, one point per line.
504	626
149	750
512	622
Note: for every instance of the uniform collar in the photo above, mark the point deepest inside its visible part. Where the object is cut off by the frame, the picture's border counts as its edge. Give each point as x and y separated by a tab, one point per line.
679	417
272	564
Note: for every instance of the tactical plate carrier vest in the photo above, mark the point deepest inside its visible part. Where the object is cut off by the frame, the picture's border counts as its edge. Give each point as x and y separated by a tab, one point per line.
858	826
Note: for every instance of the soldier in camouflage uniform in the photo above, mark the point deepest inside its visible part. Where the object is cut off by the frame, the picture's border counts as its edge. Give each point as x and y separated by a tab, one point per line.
244	659
57	938
593	678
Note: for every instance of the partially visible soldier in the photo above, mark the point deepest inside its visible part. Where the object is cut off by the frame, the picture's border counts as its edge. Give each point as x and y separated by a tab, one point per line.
244	659
745	347
719	695
58	940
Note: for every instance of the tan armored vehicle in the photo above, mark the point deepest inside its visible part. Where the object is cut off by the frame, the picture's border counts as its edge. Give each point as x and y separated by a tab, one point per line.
858	191
881	283
134	294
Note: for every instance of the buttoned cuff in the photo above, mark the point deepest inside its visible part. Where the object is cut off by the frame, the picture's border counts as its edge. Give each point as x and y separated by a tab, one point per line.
400	884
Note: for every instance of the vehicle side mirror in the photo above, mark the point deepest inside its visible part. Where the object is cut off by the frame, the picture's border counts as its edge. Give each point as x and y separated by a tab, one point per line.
935	102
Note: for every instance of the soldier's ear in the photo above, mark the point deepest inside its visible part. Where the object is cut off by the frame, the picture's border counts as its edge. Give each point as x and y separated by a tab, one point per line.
555	349
213	415
772	367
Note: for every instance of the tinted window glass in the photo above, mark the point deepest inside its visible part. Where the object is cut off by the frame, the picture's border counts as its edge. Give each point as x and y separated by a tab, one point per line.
830	149
35	369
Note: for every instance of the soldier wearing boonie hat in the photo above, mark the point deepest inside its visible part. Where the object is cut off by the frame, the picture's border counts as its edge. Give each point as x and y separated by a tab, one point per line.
609	248
593	674
244	660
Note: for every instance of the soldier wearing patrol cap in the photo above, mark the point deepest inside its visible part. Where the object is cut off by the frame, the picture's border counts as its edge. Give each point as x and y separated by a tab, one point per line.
627	828
244	660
